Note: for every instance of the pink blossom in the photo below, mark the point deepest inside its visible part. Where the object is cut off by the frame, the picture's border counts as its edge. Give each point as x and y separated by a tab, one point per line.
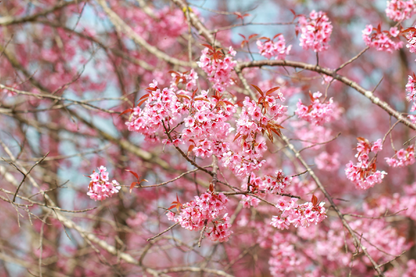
318	112
204	210
100	188
405	157
298	215
269	48
364	174
398	10
327	162
314	31
381	40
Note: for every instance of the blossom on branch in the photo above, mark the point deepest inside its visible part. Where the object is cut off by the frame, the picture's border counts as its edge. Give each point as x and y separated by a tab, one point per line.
399	10
205	211
100	187
315	31
364	174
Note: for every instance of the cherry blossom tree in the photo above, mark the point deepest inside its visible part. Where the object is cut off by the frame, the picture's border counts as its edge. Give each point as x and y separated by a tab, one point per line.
207	138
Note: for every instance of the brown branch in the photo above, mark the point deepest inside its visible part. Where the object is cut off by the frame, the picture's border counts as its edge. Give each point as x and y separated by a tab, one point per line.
10	20
122	27
356	241
164	231
334	75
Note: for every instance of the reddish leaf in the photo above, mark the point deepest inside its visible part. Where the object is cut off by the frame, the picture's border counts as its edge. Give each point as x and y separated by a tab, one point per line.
314	200
190	148
258	89
174	72
144	96
311	96
411	29
126	111
242	36
144	100
236	137
208	46
239	15
151	89
240	103
277	35
277	132
266	38
270	91
134	173
132	186
183	96
193	94
252	36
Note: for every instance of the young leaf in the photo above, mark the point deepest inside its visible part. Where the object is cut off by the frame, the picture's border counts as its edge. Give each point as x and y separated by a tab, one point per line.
258	89
134	173
314	200
270	91
126	111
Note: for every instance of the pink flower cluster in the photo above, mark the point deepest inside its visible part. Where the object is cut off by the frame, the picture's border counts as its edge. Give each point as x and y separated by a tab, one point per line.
253	120
188	78
316	113
202	211
160	105
364	174
269	48
297	215
411	41
249	201
411	89
311	134
398	10
271	184
327	162
315	31
201	119
285	259
100	188
404	204
405	157
206	127
218	67
381	40
387	236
